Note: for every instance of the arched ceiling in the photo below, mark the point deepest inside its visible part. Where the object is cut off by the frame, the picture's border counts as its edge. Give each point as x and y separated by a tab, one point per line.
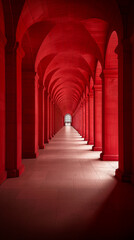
63	40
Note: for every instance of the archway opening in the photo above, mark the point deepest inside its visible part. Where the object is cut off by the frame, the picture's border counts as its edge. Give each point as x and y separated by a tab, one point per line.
68	120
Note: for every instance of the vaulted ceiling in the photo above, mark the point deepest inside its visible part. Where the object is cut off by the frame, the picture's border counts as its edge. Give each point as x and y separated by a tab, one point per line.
63	41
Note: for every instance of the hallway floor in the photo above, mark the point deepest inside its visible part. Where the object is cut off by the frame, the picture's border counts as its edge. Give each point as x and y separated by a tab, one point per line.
67	193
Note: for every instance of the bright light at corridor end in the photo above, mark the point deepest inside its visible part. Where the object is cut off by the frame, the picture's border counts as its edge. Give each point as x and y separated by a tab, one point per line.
67	119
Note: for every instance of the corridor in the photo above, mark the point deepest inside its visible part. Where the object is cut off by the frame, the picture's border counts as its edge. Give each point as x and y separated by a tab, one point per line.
66	193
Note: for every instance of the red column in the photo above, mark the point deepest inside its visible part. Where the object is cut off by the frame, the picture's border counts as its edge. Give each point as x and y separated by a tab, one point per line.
54	118
46	120
91	118
50	118
3	173
87	117
110	115
41	116
81	117
84	117
29	114
97	117
125	84
13	112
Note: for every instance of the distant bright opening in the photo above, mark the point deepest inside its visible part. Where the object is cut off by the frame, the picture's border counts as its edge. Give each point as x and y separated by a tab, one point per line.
68	120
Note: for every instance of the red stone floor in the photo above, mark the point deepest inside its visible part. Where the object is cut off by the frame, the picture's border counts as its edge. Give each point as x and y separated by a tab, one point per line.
67	193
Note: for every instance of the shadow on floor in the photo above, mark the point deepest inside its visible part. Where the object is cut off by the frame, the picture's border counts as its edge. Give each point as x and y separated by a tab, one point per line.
112	220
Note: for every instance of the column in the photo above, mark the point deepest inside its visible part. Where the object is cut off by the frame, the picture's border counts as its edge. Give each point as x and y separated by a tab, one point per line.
81	122
46	117
3	173
13	70
84	118
91	118
29	114
110	115
97	117
50	118
54	117
87	116
41	116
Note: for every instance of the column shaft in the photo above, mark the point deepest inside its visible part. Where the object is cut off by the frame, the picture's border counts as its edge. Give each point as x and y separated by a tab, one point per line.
46	120
13	112
29	114
91	118
84	119
87	118
97	118
41	116
110	115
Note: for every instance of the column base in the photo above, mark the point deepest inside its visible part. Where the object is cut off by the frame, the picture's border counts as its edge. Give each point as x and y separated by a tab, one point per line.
46	141
30	155
15	172
42	146
109	157
3	176
122	176
96	148
90	143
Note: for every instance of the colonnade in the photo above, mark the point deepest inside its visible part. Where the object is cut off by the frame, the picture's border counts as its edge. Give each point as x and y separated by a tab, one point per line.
38	79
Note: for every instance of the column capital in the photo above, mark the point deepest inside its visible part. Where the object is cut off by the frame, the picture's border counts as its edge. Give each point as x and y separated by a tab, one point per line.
36	78
41	86
20	51
16	48
98	87
110	72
